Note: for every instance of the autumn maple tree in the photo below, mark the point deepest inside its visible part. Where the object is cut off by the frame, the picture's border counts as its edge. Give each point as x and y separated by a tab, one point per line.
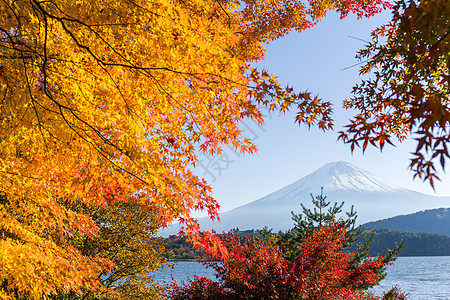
408	92
106	102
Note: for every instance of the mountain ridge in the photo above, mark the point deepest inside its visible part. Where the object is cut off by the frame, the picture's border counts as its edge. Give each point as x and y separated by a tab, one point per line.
429	221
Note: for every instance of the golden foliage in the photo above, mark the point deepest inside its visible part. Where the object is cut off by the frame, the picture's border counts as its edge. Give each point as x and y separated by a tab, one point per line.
104	100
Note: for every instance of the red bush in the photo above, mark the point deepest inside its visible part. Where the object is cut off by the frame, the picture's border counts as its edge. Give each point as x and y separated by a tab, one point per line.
256	270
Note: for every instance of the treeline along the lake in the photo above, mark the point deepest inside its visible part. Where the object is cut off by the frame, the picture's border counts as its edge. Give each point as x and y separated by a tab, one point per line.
179	249
415	244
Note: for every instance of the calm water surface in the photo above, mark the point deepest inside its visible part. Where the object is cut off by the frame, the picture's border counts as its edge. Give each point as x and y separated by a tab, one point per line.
423	277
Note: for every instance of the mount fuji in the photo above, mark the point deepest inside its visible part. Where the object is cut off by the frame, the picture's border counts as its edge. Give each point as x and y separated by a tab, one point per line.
372	198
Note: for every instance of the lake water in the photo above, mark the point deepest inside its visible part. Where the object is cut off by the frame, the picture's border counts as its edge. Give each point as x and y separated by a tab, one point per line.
425	277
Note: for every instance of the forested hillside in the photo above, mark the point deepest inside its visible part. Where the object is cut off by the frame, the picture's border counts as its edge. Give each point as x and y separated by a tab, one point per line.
415	244
431	221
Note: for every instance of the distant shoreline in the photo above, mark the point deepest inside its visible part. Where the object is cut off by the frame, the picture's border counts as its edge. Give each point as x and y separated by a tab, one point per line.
183	259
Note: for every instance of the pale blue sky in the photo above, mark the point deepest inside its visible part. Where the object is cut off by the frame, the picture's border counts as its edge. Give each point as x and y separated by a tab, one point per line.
310	61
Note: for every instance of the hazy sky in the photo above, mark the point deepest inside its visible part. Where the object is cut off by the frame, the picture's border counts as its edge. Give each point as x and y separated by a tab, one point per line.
312	60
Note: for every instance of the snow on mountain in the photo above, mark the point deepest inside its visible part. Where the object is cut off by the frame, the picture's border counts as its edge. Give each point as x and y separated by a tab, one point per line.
343	176
372	198
333	177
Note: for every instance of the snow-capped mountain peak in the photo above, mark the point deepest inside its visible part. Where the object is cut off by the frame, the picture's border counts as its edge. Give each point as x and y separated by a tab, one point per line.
372	198
344	176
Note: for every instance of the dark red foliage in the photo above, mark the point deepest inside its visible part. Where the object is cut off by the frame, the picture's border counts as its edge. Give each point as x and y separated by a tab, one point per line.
201	288
395	294
323	272
256	270
253	268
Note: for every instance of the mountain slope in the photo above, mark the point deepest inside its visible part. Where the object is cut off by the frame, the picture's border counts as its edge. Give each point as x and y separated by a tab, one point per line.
431	221
373	199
